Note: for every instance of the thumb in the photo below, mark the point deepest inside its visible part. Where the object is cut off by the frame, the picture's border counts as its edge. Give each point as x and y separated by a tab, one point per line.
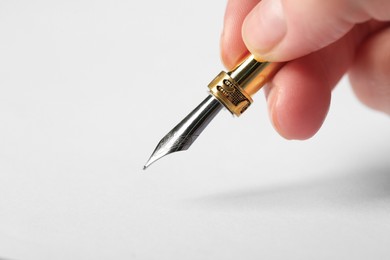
282	30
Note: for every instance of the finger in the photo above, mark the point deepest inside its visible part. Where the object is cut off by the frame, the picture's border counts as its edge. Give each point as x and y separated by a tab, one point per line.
370	74
282	30
232	46
299	94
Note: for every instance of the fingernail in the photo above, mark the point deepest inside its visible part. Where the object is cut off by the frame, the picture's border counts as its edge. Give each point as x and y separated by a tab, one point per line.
231	54
264	27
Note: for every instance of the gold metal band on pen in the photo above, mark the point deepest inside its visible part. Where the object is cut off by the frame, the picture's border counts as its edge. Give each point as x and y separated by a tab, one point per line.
230	94
235	88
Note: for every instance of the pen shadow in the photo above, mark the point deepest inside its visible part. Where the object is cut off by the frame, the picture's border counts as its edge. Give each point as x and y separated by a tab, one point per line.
365	187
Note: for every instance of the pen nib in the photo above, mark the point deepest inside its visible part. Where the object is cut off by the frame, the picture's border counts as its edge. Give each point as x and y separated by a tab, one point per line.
182	136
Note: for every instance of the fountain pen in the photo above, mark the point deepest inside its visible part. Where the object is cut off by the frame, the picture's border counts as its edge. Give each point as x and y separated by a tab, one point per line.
232	90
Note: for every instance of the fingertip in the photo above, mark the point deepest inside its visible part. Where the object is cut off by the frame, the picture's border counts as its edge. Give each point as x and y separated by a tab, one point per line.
369	74
232	45
224	54
232	48
298	101
264	27
231	54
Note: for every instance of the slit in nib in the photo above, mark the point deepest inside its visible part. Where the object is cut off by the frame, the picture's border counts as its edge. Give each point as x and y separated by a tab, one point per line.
185	133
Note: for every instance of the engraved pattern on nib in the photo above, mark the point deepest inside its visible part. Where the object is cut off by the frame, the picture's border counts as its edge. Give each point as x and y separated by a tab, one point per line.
183	140
176	143
187	131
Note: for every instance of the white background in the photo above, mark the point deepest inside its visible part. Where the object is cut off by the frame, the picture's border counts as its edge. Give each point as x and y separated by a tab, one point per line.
88	88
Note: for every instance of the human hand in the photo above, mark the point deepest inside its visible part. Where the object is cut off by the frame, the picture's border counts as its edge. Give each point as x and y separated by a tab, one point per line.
321	41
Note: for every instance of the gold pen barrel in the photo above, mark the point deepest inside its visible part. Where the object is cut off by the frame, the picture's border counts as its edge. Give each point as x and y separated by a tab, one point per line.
251	75
234	88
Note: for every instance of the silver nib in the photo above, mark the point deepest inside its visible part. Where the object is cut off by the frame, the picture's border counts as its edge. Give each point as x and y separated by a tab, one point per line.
182	136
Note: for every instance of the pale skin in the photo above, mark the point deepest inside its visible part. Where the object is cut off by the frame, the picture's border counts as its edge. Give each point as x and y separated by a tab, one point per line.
320	41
